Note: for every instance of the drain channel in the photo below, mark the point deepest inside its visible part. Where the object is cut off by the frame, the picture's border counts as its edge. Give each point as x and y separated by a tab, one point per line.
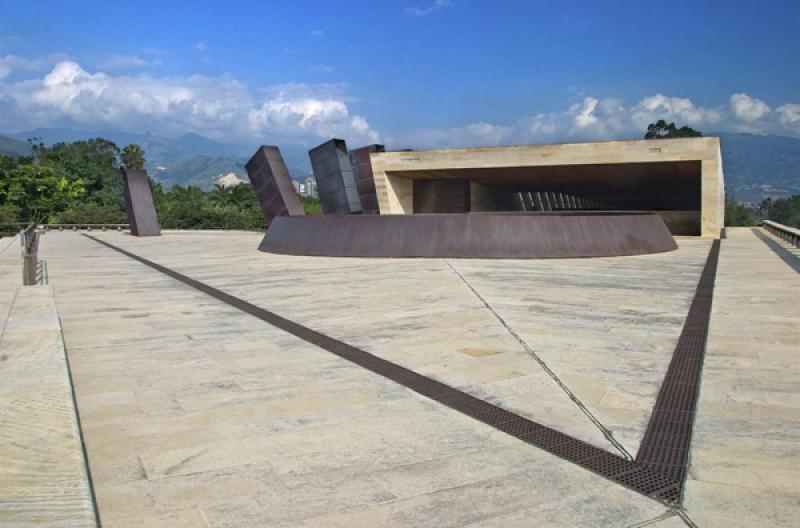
652	474
665	446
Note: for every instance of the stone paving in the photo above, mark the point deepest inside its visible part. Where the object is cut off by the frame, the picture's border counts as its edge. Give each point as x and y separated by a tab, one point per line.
43	479
196	414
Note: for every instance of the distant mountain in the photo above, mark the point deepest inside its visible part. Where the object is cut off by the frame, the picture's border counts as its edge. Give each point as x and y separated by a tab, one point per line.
760	166
13	147
189	159
200	171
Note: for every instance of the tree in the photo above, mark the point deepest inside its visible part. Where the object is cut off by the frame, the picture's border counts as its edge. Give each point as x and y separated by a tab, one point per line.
737	214
133	156
95	162
38	192
662	130
785	211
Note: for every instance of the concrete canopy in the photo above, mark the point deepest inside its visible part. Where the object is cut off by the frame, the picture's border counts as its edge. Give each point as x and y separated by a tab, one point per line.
681	179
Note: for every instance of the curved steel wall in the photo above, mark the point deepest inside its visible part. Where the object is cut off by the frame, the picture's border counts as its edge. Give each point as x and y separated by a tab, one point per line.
470	235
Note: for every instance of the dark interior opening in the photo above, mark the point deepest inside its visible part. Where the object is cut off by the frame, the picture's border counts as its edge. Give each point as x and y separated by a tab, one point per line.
672	189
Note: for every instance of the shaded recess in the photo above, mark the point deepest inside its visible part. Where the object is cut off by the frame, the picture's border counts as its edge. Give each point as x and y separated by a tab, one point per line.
670	188
473	235
142	214
272	184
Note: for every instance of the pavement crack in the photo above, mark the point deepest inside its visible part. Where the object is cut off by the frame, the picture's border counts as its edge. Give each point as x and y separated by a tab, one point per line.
649	522
602	428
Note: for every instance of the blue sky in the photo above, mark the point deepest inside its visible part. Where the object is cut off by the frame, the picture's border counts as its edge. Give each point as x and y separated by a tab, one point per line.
417	73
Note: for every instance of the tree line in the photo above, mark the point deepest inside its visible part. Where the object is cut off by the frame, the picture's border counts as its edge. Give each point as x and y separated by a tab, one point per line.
81	182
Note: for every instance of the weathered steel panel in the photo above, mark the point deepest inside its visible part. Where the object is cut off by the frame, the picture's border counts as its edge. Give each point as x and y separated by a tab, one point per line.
365	181
142	214
272	184
336	184
471	235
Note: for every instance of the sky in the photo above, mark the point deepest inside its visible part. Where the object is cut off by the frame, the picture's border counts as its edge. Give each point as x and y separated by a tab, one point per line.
406	73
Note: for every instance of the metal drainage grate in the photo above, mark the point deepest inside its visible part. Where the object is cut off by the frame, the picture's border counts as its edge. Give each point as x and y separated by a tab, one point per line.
660	466
665	446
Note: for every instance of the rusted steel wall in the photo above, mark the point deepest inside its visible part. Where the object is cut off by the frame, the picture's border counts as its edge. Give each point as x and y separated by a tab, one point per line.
272	184
142	214
365	183
471	235
336	183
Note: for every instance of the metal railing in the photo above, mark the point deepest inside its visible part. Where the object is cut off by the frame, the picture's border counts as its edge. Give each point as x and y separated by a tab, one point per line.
786	233
29	239
83	227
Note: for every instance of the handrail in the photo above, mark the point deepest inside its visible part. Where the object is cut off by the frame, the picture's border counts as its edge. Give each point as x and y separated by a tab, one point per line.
29	239
86	226
784	232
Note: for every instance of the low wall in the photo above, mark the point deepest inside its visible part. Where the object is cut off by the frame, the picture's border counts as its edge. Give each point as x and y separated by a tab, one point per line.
471	235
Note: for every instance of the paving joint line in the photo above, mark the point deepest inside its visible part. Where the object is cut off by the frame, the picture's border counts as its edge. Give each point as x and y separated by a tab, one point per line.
606	432
636	475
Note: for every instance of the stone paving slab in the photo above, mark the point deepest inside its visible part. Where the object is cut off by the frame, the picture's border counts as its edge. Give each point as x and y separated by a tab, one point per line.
197	412
43	480
193	410
746	447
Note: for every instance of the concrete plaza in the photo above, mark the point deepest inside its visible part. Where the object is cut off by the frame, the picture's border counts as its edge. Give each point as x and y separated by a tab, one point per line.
195	413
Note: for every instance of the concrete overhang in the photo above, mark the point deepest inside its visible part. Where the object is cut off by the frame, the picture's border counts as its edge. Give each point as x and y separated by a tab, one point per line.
690	166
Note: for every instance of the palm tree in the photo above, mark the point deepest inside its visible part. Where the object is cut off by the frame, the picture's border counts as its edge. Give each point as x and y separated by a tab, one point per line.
133	157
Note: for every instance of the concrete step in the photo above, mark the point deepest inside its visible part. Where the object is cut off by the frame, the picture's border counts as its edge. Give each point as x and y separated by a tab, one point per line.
43	480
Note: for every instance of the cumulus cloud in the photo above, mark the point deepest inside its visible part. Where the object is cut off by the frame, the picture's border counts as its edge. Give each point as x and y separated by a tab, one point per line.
221	107
611	118
11	63
789	114
748	108
435	6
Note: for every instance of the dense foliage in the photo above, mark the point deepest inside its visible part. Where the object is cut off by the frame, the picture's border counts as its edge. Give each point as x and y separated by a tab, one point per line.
81	182
663	130
737	214
785	211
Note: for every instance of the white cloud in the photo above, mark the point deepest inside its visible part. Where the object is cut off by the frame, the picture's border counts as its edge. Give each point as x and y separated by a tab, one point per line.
435	6
10	63
610	118
126	62
789	114
201	46
222	107
748	108
317	33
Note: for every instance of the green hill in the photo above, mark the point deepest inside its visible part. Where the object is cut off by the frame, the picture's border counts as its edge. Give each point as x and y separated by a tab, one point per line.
13	147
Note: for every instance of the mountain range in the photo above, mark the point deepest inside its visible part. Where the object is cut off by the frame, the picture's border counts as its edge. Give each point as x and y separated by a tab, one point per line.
756	166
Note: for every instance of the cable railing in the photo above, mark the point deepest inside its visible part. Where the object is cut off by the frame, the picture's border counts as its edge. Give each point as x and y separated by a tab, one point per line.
784	232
